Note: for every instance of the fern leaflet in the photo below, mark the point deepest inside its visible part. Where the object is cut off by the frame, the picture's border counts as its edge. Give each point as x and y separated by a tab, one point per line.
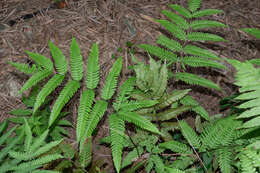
169	43
206	12
76	62
199	24
173	29
194	5
180	22
24	67
41	60
197	51
201	62
183	11
201	36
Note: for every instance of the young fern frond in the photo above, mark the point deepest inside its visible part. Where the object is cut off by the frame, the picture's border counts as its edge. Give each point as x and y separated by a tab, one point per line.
189	134
201	36
54	82
180	21
97	113
201	62
169	43
197	51
86	101
60	61
183	11
76	62
159	52
138	120
24	67
36	78
224	158
194	5
117	128
111	80
125	90
41	60
173	29
196	80
67	92
199	24
92	77
206	12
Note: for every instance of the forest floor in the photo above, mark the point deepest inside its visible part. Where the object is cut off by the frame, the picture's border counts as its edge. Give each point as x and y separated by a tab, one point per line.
109	23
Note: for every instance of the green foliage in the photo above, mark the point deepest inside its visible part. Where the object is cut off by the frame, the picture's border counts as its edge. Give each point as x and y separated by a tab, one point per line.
182	52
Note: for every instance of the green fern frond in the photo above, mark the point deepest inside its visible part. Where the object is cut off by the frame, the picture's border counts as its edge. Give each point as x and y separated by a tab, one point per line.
247	164
197	51
60	61
136	119
194	5
76	62
206	12
177	147
21	112
28	133
169	99
159	86
224	158
86	101
92	77
249	95
188	100
170	113
158	163
189	134
125	90
40	161
173	29
54	82
38	142
199	24
252	31
196	80
159	52
67	92
5	136
169	43
85	154
24	67
135	105
255	122
183	11
250	113
41	60
117	128
201	36
36	77
250	104
46	148
201	62
111	80
97	112
180	21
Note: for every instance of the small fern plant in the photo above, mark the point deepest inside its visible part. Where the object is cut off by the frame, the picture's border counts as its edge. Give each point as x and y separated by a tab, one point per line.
26	155
186	27
152	84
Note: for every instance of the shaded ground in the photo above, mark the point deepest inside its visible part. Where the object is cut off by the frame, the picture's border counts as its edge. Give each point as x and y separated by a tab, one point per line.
111	23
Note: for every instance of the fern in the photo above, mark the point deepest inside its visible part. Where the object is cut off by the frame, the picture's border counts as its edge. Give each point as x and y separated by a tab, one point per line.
169	43
180	22
194	50
76	63
206	12
85	155
199	24
183	11
86	101
201	36
177	147
201	62
135	105
224	158
173	29
92	77
252	31
41	60
24	67
117	128
65	95
194	5
111	80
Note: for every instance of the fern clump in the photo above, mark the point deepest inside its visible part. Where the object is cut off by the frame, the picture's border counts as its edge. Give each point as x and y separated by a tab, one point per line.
186	26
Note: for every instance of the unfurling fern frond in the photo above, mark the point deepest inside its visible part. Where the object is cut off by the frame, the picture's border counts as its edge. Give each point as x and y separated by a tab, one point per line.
173	29
92	77
117	128
177	147
86	101
125	90
97	113
189	134
60	61
36	77
169	43
41	60
54	82
111	80
159	52
67	92
201	36
138	120
183	11
224	158
24	67
197	51
206	12
199	24
180	21
194	5
76	62
196	80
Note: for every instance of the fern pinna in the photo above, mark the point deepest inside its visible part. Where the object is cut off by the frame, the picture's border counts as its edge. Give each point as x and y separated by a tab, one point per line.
186	27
